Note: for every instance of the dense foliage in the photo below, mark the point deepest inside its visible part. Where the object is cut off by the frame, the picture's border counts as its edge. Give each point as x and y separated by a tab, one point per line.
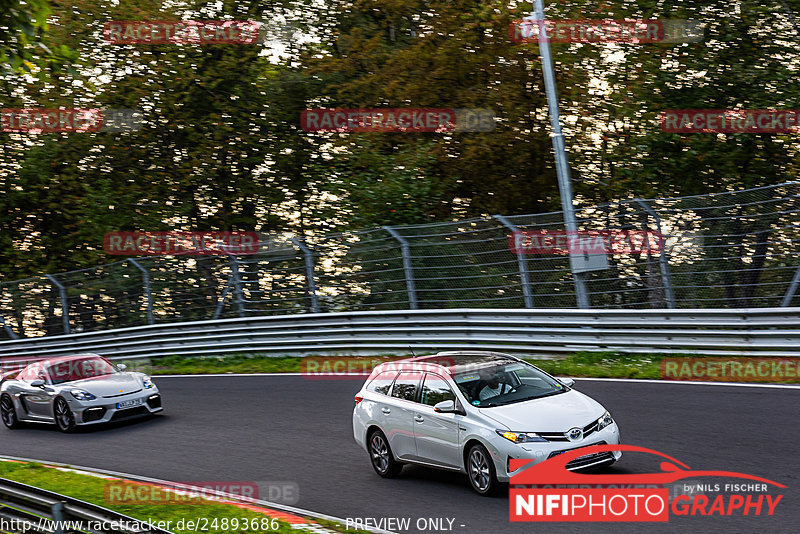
221	147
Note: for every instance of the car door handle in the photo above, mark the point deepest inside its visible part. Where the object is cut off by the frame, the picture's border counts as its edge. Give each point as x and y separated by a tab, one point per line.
387	411
418	418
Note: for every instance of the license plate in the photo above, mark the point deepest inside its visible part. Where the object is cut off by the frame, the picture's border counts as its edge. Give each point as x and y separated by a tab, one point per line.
129	403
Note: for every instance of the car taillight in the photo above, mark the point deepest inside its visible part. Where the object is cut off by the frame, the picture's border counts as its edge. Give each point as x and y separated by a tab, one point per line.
359	399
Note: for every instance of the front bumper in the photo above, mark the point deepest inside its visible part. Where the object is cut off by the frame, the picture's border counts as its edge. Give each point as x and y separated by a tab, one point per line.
505	450
103	410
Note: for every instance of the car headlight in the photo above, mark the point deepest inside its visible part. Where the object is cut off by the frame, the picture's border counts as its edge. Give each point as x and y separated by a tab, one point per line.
147	382
521	437
82	395
604	421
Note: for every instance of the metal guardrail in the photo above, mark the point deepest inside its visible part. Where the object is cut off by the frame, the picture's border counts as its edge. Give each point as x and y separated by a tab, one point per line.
742	332
733	249
40	510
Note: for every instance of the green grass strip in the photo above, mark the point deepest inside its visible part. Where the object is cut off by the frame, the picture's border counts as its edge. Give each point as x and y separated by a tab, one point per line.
89	488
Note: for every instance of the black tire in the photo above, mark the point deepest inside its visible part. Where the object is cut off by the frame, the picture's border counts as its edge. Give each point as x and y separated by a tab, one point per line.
65	419
381	455
480	471
8	413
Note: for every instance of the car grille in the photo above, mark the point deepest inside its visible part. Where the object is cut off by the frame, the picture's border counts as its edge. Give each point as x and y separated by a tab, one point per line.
589	460
553	436
93	414
121	394
556	453
130	412
588	430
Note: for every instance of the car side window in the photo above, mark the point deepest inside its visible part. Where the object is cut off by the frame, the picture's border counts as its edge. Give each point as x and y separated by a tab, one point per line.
382	382
405	387
435	389
34	372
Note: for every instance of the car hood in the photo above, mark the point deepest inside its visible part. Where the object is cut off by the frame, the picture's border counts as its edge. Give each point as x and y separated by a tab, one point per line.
556	413
109	385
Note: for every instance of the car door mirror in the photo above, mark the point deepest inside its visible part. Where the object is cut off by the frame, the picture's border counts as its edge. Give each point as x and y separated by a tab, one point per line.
567	381
447	406
38	383
122	366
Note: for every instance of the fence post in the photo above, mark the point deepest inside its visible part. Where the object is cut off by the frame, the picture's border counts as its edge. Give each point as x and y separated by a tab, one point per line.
407	267
663	259
308	257
221	301
146	282
57	509
64	304
7	328
787	298
237	285
521	262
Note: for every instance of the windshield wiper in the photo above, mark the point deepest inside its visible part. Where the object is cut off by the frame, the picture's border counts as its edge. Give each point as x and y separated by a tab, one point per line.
514	401
556	392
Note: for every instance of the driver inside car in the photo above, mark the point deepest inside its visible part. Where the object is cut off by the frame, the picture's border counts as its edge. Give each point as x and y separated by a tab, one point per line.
494	388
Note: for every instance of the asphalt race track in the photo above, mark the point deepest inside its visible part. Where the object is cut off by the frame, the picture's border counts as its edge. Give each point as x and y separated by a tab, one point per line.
287	428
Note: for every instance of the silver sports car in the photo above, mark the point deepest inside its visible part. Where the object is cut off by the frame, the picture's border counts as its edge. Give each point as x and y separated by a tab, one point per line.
77	390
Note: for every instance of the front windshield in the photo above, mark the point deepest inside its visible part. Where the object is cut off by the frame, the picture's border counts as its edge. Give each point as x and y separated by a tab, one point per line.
79	369
506	382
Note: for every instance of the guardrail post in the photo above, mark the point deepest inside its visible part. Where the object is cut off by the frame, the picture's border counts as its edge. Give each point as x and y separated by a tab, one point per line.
237	286
146	282
407	267
308	256
787	298
521	262
7	328
64	304
663	259
57	509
